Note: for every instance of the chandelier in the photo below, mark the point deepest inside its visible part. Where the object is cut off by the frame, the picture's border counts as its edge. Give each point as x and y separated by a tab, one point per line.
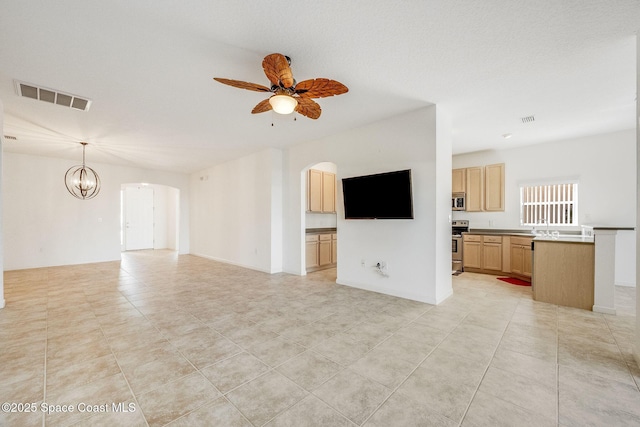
82	181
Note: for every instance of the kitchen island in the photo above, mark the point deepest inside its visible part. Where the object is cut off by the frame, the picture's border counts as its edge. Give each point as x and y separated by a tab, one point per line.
564	270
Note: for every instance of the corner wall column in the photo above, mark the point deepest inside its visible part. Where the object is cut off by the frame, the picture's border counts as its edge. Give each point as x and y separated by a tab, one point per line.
605	271
2	302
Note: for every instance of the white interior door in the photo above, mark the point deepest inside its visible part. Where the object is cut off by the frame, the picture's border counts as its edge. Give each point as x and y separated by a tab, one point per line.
138	218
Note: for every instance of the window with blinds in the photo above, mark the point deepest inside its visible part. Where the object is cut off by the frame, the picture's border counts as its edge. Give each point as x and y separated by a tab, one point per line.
552	204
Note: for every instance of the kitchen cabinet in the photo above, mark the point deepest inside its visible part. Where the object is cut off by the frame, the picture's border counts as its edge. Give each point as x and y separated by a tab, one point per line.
324	250
321	191
494	187
459	180
564	273
483	186
321	250
521	256
312	250
472	252
492	254
334	248
475	189
482	254
328	192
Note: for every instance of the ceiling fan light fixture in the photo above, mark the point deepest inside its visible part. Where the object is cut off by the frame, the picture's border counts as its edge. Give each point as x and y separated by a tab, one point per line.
283	104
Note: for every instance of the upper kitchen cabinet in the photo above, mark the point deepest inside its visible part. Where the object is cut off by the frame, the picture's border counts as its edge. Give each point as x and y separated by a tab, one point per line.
475	189
483	186
321	191
494	187
458	180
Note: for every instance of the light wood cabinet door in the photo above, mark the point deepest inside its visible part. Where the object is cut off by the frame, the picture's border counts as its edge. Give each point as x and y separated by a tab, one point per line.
527	258
328	192
324	252
315	191
564	274
516	259
494	187
475	189
458	180
492	256
472	254
312	259
334	249
521	256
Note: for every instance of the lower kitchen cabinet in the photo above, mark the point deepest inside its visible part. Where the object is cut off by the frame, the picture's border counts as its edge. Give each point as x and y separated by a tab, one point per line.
492	254
482	254
564	273
321	250
312	251
521	256
472	252
334	248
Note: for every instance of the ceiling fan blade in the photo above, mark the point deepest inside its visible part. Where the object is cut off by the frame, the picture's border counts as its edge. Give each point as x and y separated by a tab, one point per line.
320	88
308	107
262	107
276	67
243	85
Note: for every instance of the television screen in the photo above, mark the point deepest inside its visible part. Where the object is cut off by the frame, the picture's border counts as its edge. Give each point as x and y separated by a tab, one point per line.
380	196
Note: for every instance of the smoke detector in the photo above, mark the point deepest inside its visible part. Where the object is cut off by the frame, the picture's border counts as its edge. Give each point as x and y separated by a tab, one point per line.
52	96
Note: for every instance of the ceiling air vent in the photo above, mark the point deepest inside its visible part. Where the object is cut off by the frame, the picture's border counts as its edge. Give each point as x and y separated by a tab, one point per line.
528	119
52	96
12	138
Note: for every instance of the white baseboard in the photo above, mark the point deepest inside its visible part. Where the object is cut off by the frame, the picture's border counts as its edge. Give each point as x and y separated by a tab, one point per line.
605	310
225	261
2	302
626	284
383	290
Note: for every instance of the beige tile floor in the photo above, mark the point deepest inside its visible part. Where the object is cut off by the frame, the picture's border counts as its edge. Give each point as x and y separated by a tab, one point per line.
186	341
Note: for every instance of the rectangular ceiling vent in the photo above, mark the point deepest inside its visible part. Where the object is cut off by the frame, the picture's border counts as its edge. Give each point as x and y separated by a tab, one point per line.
528	119
12	138
52	96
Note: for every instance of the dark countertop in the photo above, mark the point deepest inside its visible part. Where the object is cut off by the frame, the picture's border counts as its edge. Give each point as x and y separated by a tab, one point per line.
320	230
498	232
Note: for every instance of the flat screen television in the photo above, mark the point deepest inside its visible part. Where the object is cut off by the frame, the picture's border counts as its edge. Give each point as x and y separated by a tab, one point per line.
380	196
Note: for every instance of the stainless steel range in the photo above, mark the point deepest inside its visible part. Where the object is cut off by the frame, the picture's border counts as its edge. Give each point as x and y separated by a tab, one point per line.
457	228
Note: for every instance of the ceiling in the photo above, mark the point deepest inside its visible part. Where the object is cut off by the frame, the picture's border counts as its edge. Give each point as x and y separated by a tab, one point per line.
147	66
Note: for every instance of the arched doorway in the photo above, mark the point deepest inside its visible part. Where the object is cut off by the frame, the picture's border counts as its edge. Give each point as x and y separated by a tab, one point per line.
320	216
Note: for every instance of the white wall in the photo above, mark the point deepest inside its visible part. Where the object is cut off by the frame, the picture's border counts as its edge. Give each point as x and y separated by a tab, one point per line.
418	251
637	156
605	166
2	302
173	218
45	226
236	211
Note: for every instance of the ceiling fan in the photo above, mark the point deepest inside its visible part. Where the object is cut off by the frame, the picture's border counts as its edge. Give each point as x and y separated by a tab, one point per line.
288	95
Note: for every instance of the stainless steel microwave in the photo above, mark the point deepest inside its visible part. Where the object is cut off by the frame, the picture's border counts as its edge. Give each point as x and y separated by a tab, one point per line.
458	202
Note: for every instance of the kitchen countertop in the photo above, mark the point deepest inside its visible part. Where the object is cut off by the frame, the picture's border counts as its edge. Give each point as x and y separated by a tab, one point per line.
497	232
564	238
320	230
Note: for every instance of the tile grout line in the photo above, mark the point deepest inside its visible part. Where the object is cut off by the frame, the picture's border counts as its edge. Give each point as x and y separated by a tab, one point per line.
620	351
466	411
394	390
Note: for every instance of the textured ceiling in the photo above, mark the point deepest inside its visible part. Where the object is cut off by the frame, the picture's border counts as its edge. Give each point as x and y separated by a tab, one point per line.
148	68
